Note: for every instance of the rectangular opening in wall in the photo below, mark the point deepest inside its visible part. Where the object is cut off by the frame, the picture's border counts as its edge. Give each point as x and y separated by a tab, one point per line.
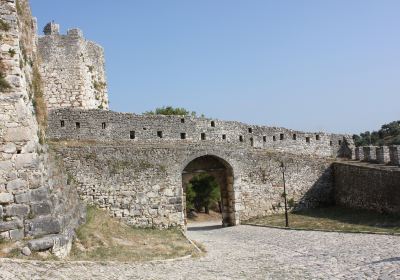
340	142
203	136
182	120
330	143
78	125
183	135
250	130
240	138
159	134
212	124
132	135
281	136
317	137
103	125
252	142
264	138
62	123
223	136
308	139
273	138
294	136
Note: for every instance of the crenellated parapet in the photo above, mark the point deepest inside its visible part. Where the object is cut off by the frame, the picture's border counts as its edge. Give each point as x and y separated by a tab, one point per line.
72	69
383	154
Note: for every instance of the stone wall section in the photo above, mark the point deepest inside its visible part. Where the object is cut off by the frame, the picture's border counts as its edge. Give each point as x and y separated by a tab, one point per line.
99	125
367	186
35	201
141	182
73	69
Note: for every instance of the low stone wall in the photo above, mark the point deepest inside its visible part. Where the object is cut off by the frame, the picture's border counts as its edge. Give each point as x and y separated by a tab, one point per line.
367	186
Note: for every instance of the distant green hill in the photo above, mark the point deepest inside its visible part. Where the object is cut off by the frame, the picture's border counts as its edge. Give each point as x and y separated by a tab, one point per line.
389	134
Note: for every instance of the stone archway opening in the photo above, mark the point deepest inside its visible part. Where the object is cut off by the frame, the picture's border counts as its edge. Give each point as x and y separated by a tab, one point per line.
222	172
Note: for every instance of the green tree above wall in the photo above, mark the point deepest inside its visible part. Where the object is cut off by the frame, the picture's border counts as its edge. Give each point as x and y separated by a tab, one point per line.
169	110
389	134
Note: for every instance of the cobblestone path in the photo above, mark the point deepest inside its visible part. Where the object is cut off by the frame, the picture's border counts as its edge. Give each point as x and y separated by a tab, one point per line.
244	252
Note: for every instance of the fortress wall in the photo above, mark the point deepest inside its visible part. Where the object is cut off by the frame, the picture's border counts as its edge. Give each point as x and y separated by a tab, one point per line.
367	186
73	69
111	126
35	200
141	182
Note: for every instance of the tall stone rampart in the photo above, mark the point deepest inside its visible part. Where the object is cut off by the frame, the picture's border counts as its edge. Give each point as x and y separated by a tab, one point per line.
35	200
73	69
136	165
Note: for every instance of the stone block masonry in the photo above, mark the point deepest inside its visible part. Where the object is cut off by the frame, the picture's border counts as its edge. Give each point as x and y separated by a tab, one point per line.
34	197
142	182
367	186
73	70
99	125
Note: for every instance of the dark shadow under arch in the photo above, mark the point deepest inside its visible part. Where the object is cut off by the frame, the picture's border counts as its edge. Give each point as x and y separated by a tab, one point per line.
222	171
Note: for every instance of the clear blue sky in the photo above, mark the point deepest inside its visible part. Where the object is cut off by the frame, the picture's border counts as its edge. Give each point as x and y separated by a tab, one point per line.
309	65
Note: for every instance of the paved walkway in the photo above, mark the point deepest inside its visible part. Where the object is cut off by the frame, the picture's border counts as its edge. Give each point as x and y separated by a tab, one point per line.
244	252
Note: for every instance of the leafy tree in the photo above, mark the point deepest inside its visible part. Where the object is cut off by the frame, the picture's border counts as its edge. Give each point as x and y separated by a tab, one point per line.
169	110
190	197
206	192
389	134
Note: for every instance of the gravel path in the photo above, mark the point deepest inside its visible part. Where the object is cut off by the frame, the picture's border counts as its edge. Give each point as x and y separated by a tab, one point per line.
244	252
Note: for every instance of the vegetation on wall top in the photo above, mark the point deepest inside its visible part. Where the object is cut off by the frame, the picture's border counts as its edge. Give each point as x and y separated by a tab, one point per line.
169	110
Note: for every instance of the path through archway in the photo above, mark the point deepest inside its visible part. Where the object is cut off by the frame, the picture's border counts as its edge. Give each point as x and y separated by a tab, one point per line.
223	174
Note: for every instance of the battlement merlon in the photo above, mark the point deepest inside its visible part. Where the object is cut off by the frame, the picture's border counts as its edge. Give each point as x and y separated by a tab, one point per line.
72	69
51	28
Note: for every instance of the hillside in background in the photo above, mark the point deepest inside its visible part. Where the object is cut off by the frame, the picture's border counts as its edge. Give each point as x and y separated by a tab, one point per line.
389	134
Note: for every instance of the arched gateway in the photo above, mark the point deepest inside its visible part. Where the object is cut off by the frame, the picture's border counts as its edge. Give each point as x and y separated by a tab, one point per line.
222	171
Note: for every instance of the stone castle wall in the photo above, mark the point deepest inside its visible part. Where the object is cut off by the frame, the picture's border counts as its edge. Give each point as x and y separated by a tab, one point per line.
142	182
367	186
73	69
35	201
112	126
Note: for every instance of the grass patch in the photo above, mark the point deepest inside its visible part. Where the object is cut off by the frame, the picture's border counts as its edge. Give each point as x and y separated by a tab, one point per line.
335	219
103	238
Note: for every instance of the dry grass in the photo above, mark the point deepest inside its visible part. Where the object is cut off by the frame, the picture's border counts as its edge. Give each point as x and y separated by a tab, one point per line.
104	238
336	219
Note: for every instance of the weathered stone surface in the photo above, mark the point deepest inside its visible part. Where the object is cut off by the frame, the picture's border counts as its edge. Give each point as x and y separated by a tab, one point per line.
19	210
26	161
41	243
26	251
5	166
42	226
16	234
39	194
6	198
10	148
16	185
5	226
18	134
23	197
41	208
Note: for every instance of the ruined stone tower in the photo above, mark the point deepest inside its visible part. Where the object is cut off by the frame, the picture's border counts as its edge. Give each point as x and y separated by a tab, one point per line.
73	69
